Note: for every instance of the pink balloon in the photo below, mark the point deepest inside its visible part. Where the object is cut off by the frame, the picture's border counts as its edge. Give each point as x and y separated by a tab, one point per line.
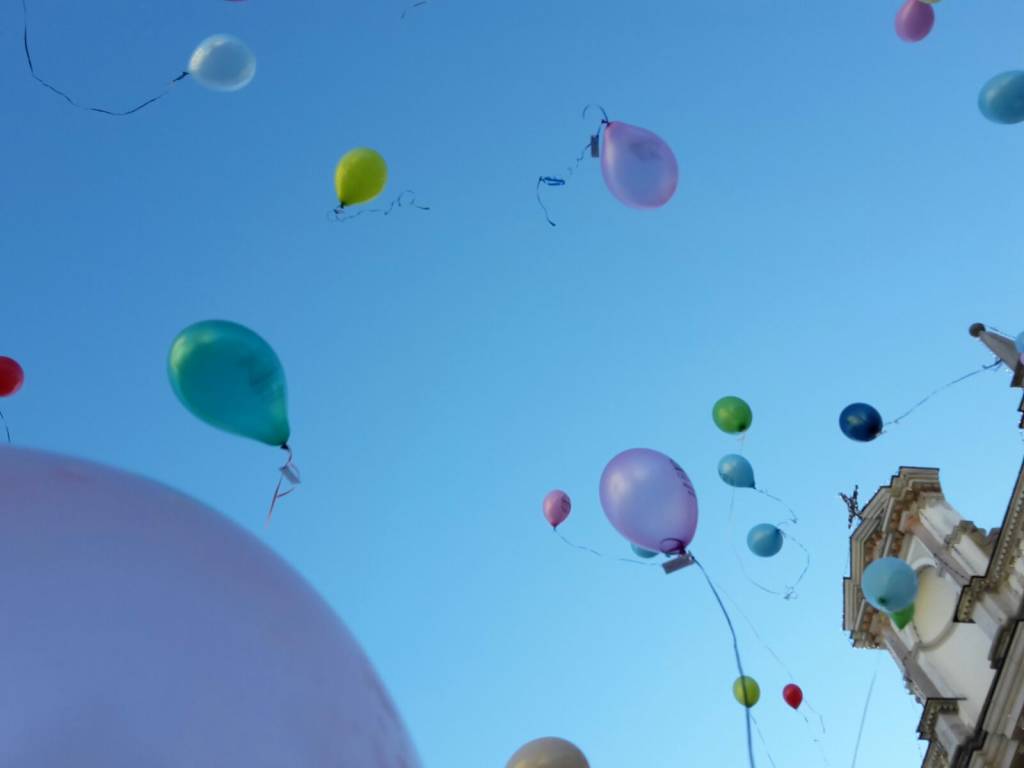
638	167
914	21
141	628
557	507
650	500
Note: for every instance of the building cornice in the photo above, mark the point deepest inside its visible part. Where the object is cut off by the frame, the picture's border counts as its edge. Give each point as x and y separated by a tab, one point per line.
880	534
930	716
935	757
1004	554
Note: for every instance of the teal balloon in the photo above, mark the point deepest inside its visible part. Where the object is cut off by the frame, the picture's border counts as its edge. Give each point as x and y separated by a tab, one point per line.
644	553
1002	98
230	378
765	540
736	471
889	584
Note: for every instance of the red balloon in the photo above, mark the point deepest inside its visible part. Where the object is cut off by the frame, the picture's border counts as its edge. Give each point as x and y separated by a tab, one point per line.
793	695
11	376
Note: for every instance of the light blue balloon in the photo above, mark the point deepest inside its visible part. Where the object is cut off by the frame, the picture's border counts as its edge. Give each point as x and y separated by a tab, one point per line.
230	378
765	540
644	553
1002	98
889	584
736	471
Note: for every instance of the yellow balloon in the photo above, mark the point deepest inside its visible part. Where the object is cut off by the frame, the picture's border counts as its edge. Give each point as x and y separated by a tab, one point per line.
746	690
360	176
548	753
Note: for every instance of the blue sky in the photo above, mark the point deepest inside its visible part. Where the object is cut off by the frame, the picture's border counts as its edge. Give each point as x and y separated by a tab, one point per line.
844	213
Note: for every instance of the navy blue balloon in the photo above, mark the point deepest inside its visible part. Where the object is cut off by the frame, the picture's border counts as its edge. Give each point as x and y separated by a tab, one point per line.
1002	98
861	422
765	540
736	471
889	584
646	554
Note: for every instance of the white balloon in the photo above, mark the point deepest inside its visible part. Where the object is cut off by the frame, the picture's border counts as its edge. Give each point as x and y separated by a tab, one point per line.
549	752
223	63
141	628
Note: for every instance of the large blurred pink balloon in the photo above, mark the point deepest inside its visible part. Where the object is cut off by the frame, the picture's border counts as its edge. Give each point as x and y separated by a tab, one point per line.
557	507
141	628
638	167
914	21
650	500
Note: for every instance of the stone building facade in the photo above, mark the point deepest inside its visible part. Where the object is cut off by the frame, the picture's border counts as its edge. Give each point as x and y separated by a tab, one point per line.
962	655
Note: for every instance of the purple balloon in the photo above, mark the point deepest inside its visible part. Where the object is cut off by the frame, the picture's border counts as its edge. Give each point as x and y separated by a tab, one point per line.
142	628
914	21
638	167
557	507
650	500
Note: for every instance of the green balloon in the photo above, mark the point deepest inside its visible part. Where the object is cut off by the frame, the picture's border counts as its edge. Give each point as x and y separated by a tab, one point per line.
904	617
230	378
746	690
732	415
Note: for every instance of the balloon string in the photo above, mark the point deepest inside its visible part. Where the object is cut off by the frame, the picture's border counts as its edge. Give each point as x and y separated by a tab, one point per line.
757	634
7	429
898	419
592	146
815	737
604	115
791	589
550	181
736	552
583	548
764	743
789	674
67	98
414	5
813	711
341	214
736	651
288	472
864	714
792	514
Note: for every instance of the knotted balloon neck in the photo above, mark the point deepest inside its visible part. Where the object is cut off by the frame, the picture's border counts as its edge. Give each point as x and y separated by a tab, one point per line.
288	472
672	547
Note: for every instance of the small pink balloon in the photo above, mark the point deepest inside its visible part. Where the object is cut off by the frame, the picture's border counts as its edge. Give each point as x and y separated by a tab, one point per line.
557	507
638	167
914	21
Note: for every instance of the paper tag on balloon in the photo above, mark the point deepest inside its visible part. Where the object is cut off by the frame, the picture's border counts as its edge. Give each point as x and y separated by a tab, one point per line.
678	563
291	474
595	146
